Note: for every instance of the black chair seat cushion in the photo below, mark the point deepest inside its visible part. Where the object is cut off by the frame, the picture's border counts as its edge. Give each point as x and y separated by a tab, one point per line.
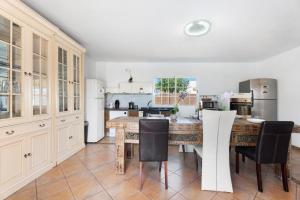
247	151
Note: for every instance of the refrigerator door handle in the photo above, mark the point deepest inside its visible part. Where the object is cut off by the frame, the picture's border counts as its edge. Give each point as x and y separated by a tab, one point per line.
252	98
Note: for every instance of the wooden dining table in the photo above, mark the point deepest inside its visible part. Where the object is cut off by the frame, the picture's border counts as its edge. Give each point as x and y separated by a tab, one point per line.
183	131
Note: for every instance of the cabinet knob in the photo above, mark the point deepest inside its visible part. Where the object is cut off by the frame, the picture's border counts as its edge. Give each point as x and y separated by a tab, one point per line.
70	137
9	132
29	154
25	73
29	74
42	125
25	155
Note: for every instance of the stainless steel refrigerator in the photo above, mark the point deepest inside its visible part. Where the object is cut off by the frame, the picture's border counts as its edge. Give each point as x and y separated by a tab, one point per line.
264	97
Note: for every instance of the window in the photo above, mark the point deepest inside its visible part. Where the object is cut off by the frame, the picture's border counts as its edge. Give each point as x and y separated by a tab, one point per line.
168	91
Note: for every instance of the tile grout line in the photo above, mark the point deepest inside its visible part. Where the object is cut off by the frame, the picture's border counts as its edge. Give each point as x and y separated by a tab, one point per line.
96	180
67	182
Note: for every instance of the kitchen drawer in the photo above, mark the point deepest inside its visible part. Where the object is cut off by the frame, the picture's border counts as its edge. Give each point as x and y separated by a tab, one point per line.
67	119
20	129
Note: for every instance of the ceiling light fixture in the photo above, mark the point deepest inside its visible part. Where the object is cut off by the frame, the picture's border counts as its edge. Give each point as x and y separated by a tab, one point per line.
197	27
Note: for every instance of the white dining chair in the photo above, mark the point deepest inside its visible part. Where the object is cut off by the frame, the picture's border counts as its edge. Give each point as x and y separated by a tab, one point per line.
214	152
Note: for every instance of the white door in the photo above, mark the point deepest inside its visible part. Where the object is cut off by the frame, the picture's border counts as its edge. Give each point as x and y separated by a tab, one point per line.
63	140
39	150
76	131
12	162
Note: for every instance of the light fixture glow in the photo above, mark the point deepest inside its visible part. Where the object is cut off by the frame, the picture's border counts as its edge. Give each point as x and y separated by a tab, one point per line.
197	27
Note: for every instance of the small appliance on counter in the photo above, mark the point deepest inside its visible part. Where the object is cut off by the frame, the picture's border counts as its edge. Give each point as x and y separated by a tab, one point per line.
117	104
242	103
209	102
131	105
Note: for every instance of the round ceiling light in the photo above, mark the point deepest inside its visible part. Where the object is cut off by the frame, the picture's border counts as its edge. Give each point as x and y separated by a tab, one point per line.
197	28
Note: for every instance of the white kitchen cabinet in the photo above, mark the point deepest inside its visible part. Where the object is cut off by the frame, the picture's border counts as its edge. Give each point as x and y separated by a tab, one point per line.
135	87
39	150
12	167
41	81
70	131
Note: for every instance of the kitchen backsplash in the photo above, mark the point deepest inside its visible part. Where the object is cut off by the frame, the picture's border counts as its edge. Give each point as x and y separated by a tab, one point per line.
139	99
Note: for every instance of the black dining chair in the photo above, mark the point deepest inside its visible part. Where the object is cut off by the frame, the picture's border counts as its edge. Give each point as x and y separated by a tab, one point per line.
271	148
153	145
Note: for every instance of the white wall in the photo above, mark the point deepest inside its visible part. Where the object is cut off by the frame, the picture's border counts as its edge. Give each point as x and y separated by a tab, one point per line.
212	78
286	68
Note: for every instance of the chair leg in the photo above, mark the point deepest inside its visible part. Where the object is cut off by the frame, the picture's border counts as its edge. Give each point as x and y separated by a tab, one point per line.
166	174
237	163
141	176
259	180
196	159
160	166
284	178
243	158
183	150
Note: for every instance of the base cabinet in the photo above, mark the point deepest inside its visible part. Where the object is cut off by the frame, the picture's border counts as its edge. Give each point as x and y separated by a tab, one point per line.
70	136
12	162
24	156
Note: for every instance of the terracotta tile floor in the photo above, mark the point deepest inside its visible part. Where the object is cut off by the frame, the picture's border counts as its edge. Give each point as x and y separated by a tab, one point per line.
90	175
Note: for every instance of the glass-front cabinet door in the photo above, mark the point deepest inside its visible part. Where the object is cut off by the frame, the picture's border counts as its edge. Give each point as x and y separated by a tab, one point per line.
40	87
76	83
10	69
62	80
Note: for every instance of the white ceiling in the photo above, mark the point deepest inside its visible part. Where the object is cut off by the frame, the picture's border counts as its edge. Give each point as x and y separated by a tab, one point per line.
152	30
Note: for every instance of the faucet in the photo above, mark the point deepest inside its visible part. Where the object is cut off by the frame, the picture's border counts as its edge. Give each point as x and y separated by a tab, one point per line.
149	102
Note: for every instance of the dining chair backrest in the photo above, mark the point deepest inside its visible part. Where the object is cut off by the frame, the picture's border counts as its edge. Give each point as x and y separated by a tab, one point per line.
273	142
217	127
153	139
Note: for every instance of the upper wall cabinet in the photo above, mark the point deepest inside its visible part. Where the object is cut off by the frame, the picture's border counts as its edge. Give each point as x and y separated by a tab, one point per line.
11	76
40	75
69	79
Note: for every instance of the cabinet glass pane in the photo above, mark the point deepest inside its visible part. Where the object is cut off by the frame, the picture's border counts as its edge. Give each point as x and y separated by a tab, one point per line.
36	85
44	67
36	44
16	106
65	88
60	71
36	105
44	86
60	88
16	58
4	55
65	56
4	80
16	38
16	82
4	106
36	64
59	55
78	70
4	29
61	104
65	72
44	46
44	105
65	103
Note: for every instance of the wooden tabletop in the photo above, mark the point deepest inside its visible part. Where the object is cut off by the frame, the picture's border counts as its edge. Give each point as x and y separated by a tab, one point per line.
131	123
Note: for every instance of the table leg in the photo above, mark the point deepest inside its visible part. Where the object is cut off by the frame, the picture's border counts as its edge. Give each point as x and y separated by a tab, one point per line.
120	151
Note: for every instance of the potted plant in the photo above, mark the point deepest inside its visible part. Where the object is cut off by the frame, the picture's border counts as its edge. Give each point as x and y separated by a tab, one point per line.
175	110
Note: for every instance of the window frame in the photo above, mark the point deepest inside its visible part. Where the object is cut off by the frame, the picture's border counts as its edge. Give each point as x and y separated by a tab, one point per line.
161	104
